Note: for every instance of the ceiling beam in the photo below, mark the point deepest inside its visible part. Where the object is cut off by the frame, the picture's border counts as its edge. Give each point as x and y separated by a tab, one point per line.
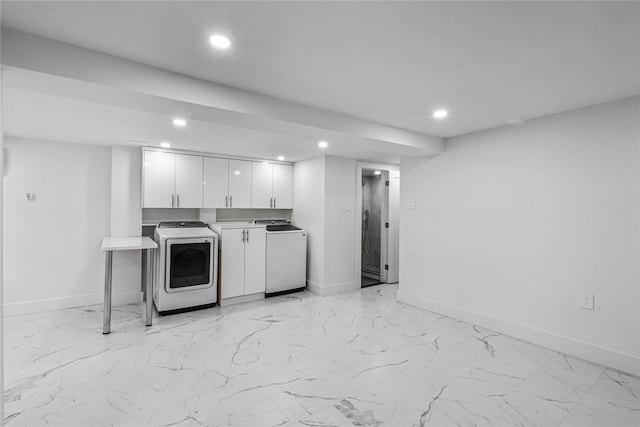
114	80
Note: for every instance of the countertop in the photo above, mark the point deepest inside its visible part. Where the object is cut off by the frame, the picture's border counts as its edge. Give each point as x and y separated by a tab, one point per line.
127	243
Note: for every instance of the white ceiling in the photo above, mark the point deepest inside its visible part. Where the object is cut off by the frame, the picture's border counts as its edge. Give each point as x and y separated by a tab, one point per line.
489	63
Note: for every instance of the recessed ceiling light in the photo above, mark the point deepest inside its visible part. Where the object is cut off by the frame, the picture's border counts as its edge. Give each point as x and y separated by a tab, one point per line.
179	122
440	114
323	144
165	145
377	172
236	172
219	41
281	158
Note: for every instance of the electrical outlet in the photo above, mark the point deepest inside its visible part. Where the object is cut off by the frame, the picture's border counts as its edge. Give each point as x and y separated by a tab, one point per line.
586	301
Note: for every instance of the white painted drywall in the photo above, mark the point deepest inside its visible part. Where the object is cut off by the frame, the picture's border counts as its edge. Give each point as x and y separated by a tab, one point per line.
52	257
323	204
126	218
1	259
340	235
308	213
512	224
126	209
393	258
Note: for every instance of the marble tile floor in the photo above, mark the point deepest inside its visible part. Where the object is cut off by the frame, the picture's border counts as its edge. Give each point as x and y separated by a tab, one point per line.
352	359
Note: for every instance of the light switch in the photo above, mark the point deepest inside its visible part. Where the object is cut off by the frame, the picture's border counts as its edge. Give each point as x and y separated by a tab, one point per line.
411	204
347	206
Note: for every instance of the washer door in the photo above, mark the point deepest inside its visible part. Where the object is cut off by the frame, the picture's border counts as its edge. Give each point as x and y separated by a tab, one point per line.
189	264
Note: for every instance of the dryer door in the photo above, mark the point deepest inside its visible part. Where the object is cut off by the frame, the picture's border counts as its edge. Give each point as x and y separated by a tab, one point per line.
189	264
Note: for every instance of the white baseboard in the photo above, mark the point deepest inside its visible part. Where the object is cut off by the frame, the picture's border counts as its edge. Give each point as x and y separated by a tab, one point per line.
242	298
336	288
592	352
49	304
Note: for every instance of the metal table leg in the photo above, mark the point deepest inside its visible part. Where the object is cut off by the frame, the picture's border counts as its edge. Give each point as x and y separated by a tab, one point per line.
108	261
148	290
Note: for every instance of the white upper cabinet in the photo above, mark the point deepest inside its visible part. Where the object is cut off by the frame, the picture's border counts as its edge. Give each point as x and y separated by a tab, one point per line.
159	171
216	183
239	184
261	187
227	183
188	181
272	185
172	180
283	186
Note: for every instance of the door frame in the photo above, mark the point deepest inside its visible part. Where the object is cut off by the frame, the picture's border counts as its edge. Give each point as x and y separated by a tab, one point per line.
386	170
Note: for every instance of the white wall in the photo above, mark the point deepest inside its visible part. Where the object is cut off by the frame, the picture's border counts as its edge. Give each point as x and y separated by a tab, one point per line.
394	227
126	220
52	257
126	175
308	213
323	204
340	196
512	224
1	258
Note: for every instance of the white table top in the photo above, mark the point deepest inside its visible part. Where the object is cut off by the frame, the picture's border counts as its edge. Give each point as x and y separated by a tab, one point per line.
127	243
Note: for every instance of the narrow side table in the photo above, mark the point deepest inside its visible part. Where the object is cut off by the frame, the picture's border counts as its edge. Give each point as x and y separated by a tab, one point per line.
111	244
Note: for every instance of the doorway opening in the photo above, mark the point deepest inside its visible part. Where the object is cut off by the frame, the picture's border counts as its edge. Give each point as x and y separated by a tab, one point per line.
377	224
373	200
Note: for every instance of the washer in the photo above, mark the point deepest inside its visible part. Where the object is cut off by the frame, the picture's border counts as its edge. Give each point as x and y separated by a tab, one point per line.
186	274
286	257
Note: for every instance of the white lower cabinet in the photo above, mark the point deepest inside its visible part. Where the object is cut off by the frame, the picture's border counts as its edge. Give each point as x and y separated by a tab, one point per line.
243	260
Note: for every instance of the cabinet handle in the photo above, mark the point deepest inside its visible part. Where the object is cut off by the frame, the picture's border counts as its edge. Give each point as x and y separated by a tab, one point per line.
173	200
270	202
274	202
230	201
178	201
226	201
247	236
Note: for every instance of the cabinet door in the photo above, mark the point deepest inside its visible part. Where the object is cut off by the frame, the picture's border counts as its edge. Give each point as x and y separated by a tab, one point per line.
188	181
283	186
255	261
261	185
240	183
232	263
159	179
216	183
